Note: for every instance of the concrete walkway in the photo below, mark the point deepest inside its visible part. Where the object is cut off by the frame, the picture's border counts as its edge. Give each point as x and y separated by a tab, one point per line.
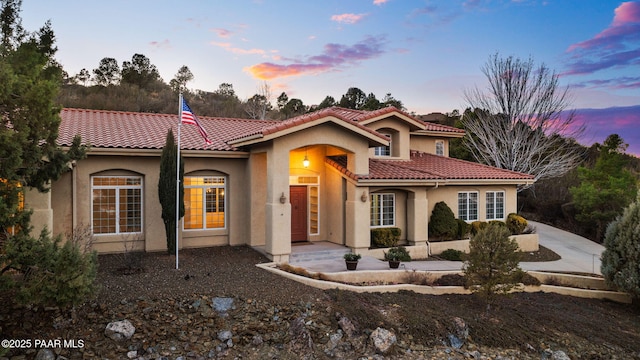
578	255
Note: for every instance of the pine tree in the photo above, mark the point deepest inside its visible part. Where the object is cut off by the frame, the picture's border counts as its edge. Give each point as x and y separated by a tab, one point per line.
492	264
621	257
167	189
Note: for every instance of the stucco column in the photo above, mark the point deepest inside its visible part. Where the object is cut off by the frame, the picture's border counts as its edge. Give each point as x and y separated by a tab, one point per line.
357	218
278	214
42	215
417	226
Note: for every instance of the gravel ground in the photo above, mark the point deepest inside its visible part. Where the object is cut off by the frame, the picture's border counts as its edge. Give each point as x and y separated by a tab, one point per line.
277	318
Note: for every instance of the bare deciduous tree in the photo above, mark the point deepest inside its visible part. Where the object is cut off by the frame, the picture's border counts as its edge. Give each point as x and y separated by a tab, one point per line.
521	122
259	104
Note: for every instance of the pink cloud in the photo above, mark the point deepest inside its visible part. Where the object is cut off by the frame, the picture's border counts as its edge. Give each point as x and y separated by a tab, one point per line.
228	47
614	47
348	18
161	44
380	2
223	33
600	123
332	58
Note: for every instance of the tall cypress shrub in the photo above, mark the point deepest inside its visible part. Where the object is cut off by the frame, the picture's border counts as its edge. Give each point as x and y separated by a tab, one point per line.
167	189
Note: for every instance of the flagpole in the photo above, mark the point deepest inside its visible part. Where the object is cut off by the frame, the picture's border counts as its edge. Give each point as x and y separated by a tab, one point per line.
178	181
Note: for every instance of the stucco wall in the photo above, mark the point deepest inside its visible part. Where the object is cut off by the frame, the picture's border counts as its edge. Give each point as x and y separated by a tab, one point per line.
427	144
399	131
152	237
449	194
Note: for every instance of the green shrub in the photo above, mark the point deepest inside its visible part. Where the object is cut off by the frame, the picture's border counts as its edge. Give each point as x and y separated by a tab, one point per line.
452	255
463	229
516	224
442	224
397	254
52	274
385	237
476	226
621	256
352	257
497	223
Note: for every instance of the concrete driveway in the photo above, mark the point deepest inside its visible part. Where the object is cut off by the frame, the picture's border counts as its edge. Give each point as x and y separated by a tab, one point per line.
578	253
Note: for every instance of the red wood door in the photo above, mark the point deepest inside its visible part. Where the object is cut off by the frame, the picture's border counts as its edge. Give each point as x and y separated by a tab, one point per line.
298	198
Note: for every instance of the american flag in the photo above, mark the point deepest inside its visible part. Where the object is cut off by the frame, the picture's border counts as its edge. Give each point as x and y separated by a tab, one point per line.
188	117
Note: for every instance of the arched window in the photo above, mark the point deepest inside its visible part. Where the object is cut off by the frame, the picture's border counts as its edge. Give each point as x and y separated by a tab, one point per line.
205	202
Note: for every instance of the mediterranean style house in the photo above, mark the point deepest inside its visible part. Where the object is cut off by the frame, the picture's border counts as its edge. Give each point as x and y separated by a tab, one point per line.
330	175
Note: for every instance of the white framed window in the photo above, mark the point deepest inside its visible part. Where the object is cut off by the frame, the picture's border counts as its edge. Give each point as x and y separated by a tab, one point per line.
116	204
468	206
495	205
204	202
383	150
440	147
383	207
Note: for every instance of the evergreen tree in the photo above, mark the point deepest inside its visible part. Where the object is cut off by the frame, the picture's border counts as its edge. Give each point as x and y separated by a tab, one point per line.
492	266
167	189
31	158
621	257
442	223
605	189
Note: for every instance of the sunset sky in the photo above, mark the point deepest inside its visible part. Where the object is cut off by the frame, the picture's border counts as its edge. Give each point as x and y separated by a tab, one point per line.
425	53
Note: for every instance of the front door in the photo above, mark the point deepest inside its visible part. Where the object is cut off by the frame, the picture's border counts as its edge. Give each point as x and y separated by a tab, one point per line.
298	198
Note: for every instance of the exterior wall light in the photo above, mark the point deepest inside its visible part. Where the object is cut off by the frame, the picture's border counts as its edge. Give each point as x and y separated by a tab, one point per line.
363	198
305	162
283	199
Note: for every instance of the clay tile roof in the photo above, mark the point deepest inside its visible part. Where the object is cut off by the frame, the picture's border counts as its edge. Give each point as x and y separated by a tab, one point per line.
133	130
444	128
347	115
424	166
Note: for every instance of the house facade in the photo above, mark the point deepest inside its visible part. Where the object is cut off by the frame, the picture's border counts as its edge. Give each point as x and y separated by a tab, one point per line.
331	175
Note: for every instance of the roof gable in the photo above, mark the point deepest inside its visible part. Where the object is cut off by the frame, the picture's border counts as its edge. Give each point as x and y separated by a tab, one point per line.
340	116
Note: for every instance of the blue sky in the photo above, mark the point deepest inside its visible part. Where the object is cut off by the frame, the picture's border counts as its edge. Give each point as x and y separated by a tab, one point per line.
425	53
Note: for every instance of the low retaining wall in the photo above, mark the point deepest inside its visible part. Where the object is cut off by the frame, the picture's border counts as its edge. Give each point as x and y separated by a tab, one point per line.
526	243
397	277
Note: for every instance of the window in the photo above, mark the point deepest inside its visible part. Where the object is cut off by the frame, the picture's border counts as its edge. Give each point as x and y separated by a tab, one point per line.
468	206
384	150
495	205
440	147
383	210
116	204
204	202
9	186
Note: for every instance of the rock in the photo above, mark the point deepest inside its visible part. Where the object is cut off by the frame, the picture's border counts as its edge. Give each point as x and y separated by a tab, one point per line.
224	335
559	355
383	339
301	340
334	340
256	340
45	354
460	328
346	325
455	341
222	305
119	330
132	354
